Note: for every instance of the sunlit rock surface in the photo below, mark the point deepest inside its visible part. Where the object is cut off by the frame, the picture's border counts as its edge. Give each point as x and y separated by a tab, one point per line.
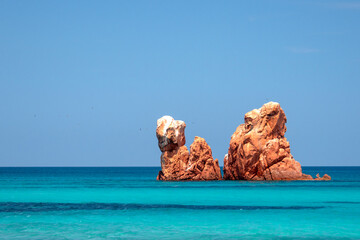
259	150
177	164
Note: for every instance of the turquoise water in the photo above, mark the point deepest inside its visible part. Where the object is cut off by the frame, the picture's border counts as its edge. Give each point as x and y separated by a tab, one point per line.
128	203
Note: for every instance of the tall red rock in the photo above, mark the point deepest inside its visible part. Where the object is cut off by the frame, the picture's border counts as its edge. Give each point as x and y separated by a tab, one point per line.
259	151
177	164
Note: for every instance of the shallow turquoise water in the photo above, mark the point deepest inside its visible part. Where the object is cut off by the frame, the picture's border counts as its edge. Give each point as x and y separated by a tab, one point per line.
127	203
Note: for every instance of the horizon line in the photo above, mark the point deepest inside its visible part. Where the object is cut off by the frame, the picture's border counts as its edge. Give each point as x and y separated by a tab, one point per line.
150	166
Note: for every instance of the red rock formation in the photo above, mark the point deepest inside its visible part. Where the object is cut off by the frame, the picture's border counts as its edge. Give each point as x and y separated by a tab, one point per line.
176	161
259	151
325	177
201	165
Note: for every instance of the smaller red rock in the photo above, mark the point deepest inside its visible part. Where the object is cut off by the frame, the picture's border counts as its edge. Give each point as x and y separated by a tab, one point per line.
323	178
177	164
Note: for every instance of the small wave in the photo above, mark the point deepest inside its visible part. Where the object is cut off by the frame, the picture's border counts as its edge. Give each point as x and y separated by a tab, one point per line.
44	207
342	202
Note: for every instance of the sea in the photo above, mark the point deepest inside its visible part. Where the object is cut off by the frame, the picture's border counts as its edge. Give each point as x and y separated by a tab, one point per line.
128	203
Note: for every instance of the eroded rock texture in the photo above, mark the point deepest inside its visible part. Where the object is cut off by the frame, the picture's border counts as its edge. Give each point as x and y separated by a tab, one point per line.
259	151
177	164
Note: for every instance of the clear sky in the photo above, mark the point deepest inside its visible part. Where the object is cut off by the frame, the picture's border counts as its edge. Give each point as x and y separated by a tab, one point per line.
82	83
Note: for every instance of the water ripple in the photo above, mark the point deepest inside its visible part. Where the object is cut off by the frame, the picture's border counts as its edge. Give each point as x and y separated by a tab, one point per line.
47	206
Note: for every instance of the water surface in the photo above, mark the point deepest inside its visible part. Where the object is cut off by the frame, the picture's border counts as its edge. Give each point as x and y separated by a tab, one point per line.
128	203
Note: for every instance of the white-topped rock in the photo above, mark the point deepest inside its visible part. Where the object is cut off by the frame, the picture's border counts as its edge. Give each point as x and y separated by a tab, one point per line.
170	133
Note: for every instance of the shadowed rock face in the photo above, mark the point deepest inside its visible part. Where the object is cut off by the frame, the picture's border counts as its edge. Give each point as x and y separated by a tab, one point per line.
259	151
176	161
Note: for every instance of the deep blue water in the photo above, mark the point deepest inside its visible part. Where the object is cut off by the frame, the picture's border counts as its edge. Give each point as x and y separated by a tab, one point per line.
128	203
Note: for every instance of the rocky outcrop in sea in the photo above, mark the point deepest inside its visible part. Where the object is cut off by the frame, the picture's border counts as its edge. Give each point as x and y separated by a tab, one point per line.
259	150
177	164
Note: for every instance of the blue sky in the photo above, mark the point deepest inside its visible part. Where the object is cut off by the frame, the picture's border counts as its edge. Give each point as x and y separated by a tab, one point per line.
82	83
